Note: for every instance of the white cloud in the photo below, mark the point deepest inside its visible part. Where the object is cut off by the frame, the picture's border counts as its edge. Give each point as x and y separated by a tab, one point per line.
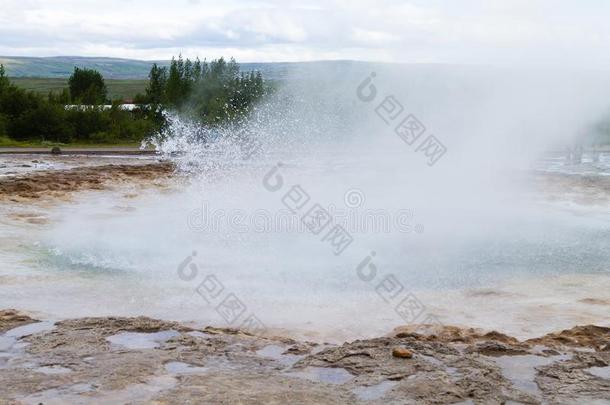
443	31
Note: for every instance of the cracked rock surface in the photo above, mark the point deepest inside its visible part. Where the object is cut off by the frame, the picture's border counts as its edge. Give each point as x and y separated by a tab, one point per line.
142	360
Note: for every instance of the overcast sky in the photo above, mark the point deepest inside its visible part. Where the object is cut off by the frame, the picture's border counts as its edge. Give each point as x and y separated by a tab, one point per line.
439	31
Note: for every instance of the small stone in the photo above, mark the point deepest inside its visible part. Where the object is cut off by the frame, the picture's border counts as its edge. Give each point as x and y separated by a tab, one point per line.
402	353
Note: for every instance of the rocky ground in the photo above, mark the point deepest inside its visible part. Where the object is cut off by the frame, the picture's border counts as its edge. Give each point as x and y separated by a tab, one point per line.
142	360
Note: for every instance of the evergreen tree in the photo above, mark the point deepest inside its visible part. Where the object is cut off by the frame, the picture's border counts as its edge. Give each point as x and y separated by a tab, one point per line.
212	92
232	69
197	70
4	83
205	69
259	84
157	78
180	66
174	84
187	78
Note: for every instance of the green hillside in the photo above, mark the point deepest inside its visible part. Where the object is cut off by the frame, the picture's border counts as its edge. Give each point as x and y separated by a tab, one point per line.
115	68
117	89
63	66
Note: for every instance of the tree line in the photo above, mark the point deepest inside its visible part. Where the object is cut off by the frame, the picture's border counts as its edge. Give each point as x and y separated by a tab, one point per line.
212	93
28	116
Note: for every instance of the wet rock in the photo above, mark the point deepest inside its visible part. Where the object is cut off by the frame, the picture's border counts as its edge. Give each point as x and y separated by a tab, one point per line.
451	334
97	360
570	382
494	348
10	318
588	336
300	348
402	353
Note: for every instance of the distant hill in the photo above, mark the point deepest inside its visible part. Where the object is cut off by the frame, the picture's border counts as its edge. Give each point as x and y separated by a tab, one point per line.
115	68
123	89
63	66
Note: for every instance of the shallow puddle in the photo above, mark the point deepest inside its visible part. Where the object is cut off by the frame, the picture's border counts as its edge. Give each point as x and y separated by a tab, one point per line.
87	394
275	352
601	372
373	392
30	329
10	346
51	370
6	343
199	334
323	374
138	340
178	367
61	395
521	370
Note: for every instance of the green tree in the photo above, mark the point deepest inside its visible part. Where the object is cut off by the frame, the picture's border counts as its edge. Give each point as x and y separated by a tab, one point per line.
26	115
212	92
45	122
197	70
87	86
174	84
157	80
3	125
4	83
64	97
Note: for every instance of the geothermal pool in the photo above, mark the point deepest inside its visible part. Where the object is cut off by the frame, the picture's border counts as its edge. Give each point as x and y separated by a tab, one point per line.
228	247
316	218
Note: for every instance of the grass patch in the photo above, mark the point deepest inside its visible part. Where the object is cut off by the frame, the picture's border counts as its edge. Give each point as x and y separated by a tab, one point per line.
10	143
